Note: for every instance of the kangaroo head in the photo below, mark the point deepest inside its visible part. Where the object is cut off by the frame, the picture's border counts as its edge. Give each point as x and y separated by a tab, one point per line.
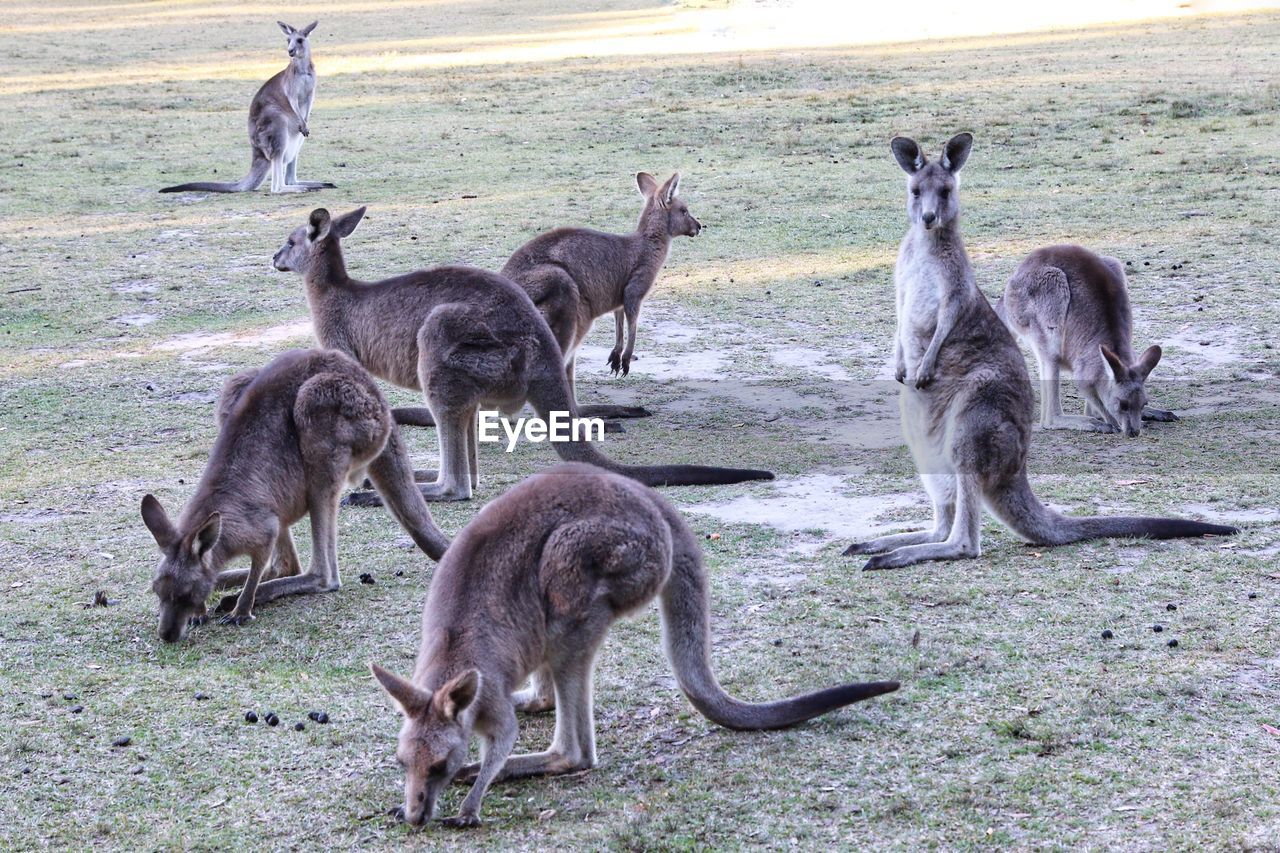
664	211
299	47
932	197
312	241
1126	395
185	576
433	738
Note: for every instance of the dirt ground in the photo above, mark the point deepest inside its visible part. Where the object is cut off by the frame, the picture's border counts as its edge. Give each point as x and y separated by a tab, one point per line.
467	129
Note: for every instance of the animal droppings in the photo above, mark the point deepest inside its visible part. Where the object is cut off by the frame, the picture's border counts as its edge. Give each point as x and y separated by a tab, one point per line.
297	727
122	741
1173	644
366	578
319	717
76	709
1107	635
200	697
250	717
1157	628
272	719
1253	595
1171	607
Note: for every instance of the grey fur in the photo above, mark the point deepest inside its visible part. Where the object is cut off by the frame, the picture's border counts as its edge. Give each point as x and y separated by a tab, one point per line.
1072	307
966	399
466	338
291	436
278	116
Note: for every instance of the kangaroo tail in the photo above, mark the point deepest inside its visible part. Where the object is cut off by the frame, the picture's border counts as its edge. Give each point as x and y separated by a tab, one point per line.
553	396
392	475
1019	508
257	172
686	637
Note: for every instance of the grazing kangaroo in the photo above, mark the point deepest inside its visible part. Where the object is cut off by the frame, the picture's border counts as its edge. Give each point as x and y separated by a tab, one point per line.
466	338
278	117
1073	308
966	400
291	436
533	583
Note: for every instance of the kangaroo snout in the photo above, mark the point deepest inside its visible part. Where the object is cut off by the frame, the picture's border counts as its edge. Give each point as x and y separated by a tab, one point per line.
697	229
929	217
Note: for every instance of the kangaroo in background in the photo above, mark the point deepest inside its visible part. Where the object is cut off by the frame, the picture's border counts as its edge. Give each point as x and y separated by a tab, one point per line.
278	117
466	338
966	400
291	435
576	275
1072	307
534	582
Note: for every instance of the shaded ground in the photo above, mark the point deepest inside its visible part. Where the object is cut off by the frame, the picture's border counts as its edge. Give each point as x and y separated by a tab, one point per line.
765	343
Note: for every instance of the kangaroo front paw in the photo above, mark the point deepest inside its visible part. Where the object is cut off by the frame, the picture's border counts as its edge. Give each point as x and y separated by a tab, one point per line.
363	499
1099	425
461	821
467	774
615	362
924	376
197	621
236	619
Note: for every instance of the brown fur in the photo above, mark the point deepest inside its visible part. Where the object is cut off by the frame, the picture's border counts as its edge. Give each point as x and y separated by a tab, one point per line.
532	585
466	338
291	437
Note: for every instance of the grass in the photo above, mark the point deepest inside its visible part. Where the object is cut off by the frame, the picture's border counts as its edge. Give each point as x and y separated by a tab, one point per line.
1016	724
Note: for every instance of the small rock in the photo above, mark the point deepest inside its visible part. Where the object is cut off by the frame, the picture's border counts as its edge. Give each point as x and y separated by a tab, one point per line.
1171	607
69	696
122	741
399	573
1253	595
272	719
250	717
1157	628
1173	644
201	697
1107	635
137	770
76	709
297	727
777	642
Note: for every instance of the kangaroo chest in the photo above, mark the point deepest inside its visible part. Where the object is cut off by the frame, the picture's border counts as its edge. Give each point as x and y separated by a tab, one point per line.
300	89
920	280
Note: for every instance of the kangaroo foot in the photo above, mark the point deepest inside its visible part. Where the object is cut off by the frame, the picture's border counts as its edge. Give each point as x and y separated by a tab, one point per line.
461	821
437	492
417	416
363	499
613	412
1162	415
419	476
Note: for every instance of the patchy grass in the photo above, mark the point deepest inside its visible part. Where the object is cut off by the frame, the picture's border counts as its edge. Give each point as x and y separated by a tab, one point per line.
1017	724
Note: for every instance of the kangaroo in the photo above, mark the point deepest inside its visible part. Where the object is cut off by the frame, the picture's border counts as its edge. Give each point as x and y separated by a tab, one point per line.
291	435
466	338
278	116
534	582
1073	308
577	275
966	400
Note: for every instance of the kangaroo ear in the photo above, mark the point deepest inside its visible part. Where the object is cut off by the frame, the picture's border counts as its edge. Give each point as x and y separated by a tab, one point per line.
409	698
669	189
320	221
207	536
347	222
288	30
306	31
1148	361
647	184
908	154
1118	369
457	694
956	152
157	521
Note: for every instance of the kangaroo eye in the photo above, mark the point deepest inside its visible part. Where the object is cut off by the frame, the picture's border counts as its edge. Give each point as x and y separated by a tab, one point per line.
1124	407
916	192
944	192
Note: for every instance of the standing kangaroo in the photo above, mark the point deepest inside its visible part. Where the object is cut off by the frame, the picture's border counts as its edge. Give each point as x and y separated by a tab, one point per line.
1073	308
576	275
966	400
466	338
534	582
278	118
291	436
